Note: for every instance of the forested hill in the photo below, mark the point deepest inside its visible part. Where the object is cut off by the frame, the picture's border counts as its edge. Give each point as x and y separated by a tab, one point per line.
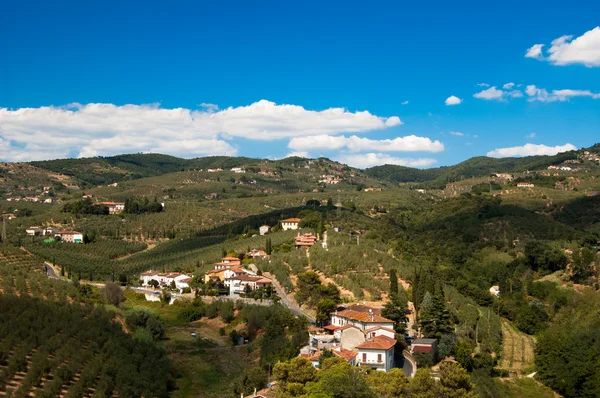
474	167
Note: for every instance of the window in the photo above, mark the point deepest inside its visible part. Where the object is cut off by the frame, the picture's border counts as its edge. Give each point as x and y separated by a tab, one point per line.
378	357
364	357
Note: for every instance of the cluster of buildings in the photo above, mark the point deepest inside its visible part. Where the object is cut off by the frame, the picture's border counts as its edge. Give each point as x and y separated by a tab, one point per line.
563	168
113	207
362	337
229	272
329	179
504	176
290	224
587	155
525	185
166	279
34	199
65	236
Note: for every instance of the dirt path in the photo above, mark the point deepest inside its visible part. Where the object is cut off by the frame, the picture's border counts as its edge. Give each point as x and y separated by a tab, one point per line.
150	247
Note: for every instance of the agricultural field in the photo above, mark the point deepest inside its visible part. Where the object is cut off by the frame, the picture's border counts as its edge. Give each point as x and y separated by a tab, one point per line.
517	350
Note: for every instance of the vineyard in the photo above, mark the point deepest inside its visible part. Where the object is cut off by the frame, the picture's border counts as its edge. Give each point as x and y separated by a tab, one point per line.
50	349
518	349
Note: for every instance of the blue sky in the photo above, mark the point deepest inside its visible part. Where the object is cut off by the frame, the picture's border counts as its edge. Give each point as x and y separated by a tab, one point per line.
80	79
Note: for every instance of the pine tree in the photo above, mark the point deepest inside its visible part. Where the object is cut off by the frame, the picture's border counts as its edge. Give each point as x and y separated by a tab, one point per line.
436	320
268	248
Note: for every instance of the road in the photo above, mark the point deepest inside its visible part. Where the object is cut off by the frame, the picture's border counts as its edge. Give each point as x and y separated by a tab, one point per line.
292	306
50	271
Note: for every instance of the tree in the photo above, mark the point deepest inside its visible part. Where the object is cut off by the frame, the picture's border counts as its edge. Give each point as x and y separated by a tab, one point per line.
388	385
446	346
435	318
268	247
324	355
253	379
154	283
396	310
113	294
340	380
293	375
393	282
165	297
463	354
324	308
455	382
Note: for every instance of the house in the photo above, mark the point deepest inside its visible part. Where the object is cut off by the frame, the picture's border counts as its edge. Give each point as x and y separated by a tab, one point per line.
70	236
34	231
114	184
347	355
363	317
525	185
9	216
290	223
371	189
504	176
114	207
263	230
306	240
218	274
165	279
255	253
495	291
238	170
239	284
424	345
214	170
377	353
48	200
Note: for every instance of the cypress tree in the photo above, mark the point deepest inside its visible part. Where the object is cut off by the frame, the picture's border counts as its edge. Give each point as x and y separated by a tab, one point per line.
393	282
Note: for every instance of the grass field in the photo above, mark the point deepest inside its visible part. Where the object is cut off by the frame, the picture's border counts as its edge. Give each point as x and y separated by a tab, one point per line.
523	387
517	349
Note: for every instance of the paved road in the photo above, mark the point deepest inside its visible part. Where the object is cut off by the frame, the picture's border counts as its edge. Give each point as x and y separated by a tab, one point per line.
293	307
50	272
408	367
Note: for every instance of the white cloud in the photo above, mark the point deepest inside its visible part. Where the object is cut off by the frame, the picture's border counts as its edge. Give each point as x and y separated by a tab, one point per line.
534	51
107	129
541	94
377	159
508	86
530	135
483	84
411	143
494	93
300	154
405	103
457	133
530	150
453	100
475	136
565	50
489	94
209	107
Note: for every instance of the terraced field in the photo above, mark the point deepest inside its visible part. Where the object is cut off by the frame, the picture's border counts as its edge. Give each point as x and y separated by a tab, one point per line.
517	349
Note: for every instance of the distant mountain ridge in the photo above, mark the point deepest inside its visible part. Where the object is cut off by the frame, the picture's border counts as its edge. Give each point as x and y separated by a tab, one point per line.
103	170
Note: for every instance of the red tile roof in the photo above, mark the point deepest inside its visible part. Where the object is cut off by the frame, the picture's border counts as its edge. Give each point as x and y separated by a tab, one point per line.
379	328
331	327
292	220
421	348
378	343
363	317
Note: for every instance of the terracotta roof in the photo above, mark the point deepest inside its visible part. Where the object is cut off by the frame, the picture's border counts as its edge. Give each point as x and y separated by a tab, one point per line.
348	326
247	278
363	317
264	281
331	327
186	280
379	328
230	259
215	271
292	220
344	353
378	343
363	308
67	233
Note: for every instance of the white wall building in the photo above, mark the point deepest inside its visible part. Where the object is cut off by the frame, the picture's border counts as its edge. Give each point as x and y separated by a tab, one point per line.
377	353
290	224
264	229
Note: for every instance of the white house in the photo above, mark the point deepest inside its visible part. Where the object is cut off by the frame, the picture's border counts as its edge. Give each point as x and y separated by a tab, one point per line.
238	170
165	278
214	170
114	207
70	236
264	229
34	231
290	223
377	353
525	185
238	284
362	317
256	253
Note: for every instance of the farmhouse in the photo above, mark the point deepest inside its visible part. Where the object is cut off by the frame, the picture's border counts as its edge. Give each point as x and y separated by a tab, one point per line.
238	170
166	278
362	317
240	284
114	207
70	236
290	223
264	229
214	170
525	185
495	291
227	268
306	240
256	253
